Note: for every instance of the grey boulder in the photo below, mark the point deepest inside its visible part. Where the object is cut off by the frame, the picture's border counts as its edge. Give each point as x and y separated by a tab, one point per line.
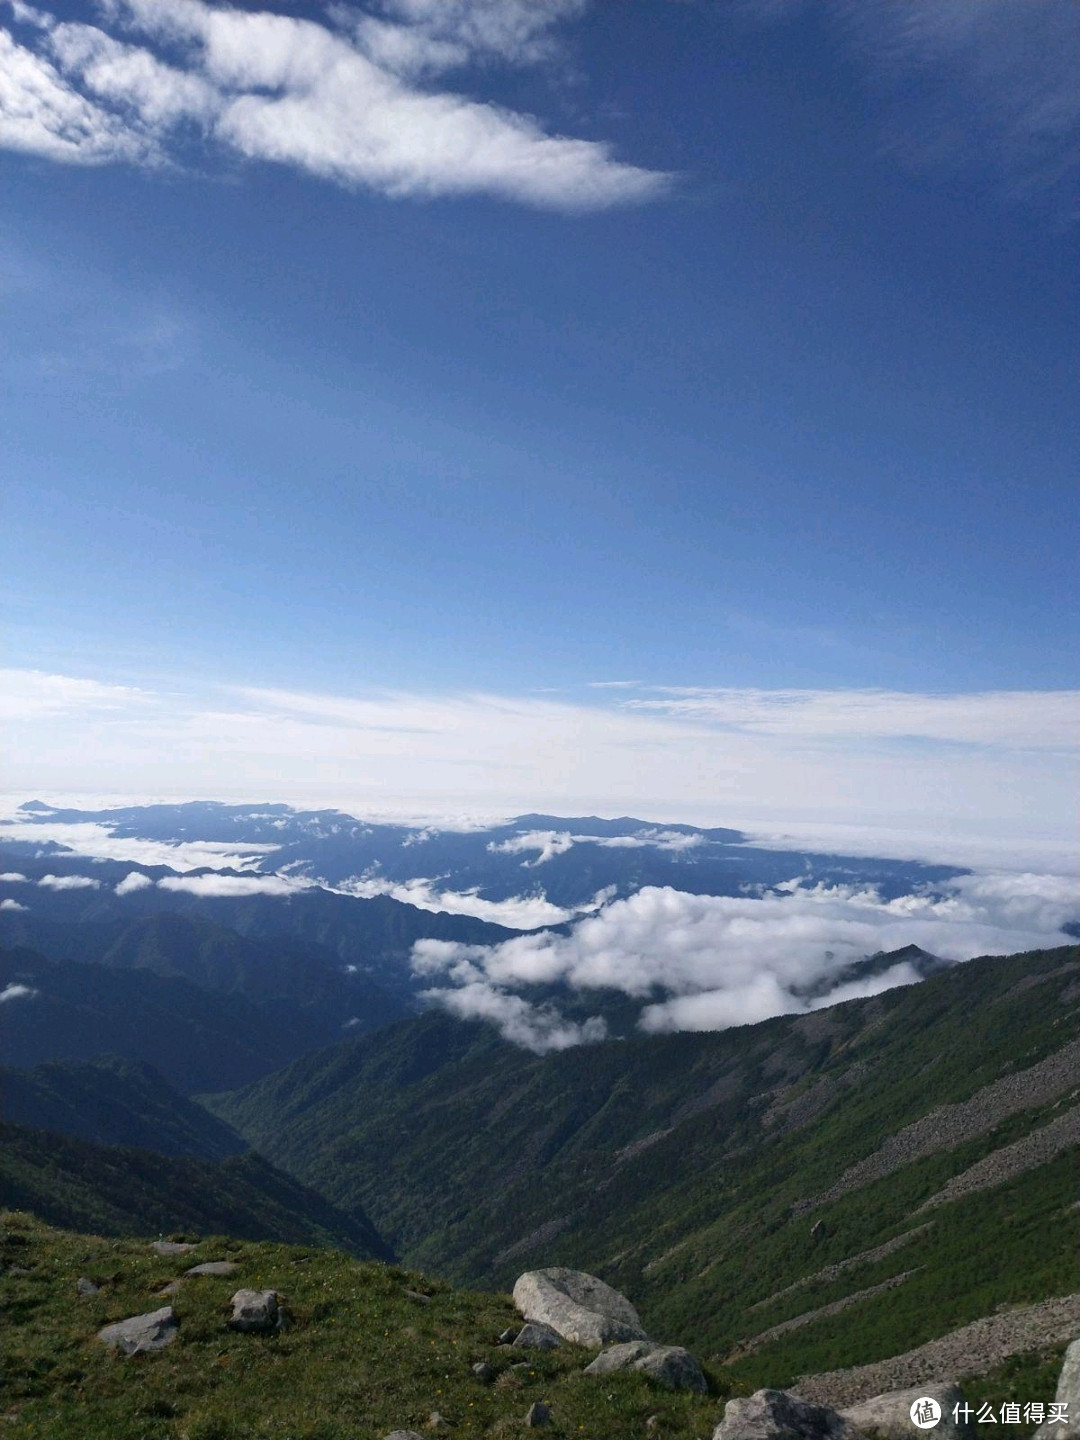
214	1267
255	1311
85	1286
669	1365
170	1247
536	1337
539	1414
776	1415
1068	1393
888	1417
142	1332
577	1306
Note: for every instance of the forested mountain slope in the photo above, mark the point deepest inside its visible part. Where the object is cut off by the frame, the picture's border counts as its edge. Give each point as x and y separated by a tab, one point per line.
115	1191
112	1101
821	1189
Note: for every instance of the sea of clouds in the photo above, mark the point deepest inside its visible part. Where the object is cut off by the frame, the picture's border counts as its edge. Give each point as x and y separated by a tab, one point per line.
708	962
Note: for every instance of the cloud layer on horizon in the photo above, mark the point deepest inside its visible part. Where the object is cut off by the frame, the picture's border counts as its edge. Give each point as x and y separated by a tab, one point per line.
915	773
706	962
345	100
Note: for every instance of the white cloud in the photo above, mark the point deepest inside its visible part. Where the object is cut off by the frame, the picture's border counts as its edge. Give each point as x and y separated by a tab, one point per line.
451	759
232	886
549	843
69	882
13	877
98	841
436	35
519	912
133	882
716	961
42	114
539	1028
10	904
278	88
32	695
16	992
1032	720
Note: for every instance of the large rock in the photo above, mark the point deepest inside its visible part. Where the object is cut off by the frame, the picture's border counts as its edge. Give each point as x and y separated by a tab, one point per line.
403	1435
1068	1393
170	1247
142	1332
776	1415
536	1337
214	1267
888	1417
579	1307
255	1311
669	1365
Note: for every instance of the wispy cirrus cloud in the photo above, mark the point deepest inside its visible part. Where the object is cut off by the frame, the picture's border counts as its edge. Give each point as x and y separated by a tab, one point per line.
986	86
997	718
341	99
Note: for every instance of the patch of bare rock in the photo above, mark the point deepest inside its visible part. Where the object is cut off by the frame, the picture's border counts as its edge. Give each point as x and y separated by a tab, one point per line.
971	1350
951	1125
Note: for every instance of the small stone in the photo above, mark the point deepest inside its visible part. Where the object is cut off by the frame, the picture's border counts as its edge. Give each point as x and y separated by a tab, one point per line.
85	1286
484	1372
170	1247
214	1267
418	1297
142	1332
254	1311
437	1422
539	1414
18	1270
651	1423
171	1288
507	1337
403	1435
536	1337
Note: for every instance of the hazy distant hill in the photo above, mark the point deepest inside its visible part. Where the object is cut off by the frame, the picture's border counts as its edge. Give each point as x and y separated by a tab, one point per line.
197	1039
924	1140
568	858
112	1101
133	1192
298	933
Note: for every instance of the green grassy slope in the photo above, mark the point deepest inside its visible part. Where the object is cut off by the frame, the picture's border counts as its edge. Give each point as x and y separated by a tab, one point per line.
361	1357
682	1167
133	1192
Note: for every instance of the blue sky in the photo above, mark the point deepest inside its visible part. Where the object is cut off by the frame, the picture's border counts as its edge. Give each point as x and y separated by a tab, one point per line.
329	371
